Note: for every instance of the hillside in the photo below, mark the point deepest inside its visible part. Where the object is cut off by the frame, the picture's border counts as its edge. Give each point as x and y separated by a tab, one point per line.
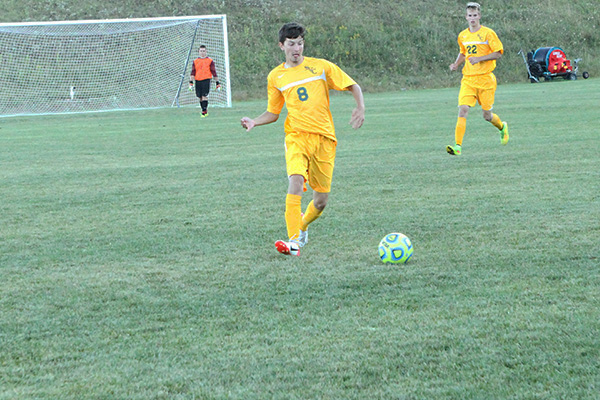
385	45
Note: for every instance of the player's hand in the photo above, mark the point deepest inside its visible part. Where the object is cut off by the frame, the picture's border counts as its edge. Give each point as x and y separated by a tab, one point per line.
473	60
453	67
247	123
358	117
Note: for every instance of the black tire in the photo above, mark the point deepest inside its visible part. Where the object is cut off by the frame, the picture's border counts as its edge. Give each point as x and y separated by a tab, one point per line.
585	75
536	69
532	80
571	77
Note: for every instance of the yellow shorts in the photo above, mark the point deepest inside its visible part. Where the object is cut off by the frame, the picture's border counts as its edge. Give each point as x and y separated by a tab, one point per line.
313	157
478	89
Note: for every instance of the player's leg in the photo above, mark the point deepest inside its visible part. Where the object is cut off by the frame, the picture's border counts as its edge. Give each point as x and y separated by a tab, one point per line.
293	217
204	105
492	118
204	90
486	99
467	98
320	175
459	131
293	206
461	124
502	126
313	211
495	120
198	89
296	164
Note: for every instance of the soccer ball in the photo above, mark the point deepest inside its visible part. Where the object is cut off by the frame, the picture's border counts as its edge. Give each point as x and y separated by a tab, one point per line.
395	248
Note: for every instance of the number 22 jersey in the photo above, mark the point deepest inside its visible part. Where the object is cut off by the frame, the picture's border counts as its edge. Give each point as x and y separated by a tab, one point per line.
480	43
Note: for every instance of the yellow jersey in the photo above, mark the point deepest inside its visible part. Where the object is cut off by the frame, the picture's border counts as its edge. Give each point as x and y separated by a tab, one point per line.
304	90
480	43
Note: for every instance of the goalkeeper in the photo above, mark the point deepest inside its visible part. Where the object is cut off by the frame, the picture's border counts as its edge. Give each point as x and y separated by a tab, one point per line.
203	70
303	84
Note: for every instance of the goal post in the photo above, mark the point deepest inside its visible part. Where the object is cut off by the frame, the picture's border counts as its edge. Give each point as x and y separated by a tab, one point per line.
108	65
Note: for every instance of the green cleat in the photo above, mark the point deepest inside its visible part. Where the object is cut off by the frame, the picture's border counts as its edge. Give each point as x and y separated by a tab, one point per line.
504	133
454	150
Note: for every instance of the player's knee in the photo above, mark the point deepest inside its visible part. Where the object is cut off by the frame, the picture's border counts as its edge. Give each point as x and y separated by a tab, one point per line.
320	201
488	116
296	184
320	204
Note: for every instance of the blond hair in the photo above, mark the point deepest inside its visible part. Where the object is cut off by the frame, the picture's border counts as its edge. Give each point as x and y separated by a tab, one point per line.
474	5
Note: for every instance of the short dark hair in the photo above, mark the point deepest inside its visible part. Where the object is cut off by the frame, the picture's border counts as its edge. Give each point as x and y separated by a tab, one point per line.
201	47
291	30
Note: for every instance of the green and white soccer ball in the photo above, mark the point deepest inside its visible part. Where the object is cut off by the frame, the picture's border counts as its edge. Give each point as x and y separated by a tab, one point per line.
395	248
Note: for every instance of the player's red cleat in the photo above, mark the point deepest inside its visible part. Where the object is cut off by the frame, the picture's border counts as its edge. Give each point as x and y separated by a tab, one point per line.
290	248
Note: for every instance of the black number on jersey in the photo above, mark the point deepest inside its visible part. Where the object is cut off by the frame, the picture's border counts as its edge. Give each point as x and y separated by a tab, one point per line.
302	94
472	49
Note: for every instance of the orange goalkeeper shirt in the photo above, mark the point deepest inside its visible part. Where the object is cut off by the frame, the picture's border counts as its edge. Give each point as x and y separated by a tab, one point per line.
304	90
480	43
203	68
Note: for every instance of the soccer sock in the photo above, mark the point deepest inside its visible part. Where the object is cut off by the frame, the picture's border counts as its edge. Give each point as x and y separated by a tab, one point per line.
293	214
310	215
204	105
459	132
496	122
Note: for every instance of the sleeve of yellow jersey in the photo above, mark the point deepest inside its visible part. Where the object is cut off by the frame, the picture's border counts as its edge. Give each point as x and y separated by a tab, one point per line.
336	78
495	43
275	100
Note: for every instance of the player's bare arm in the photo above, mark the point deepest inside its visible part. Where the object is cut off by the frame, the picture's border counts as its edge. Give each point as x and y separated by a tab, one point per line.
358	114
459	60
263	119
492	56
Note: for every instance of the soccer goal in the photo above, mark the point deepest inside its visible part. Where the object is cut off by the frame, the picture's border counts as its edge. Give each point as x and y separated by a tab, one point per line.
106	65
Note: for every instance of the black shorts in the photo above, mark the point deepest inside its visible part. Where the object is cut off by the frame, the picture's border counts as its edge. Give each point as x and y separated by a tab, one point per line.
202	88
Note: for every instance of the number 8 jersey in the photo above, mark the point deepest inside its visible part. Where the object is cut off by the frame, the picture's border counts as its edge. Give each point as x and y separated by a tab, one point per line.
304	90
480	43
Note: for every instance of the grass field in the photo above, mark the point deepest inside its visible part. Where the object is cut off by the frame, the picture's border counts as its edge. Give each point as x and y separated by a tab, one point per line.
137	258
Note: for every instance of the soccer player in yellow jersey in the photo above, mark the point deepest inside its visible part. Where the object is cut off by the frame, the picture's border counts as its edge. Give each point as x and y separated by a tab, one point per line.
303	84
479	50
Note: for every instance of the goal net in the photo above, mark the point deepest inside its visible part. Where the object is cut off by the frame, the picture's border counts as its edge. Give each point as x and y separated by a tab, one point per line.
105	65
